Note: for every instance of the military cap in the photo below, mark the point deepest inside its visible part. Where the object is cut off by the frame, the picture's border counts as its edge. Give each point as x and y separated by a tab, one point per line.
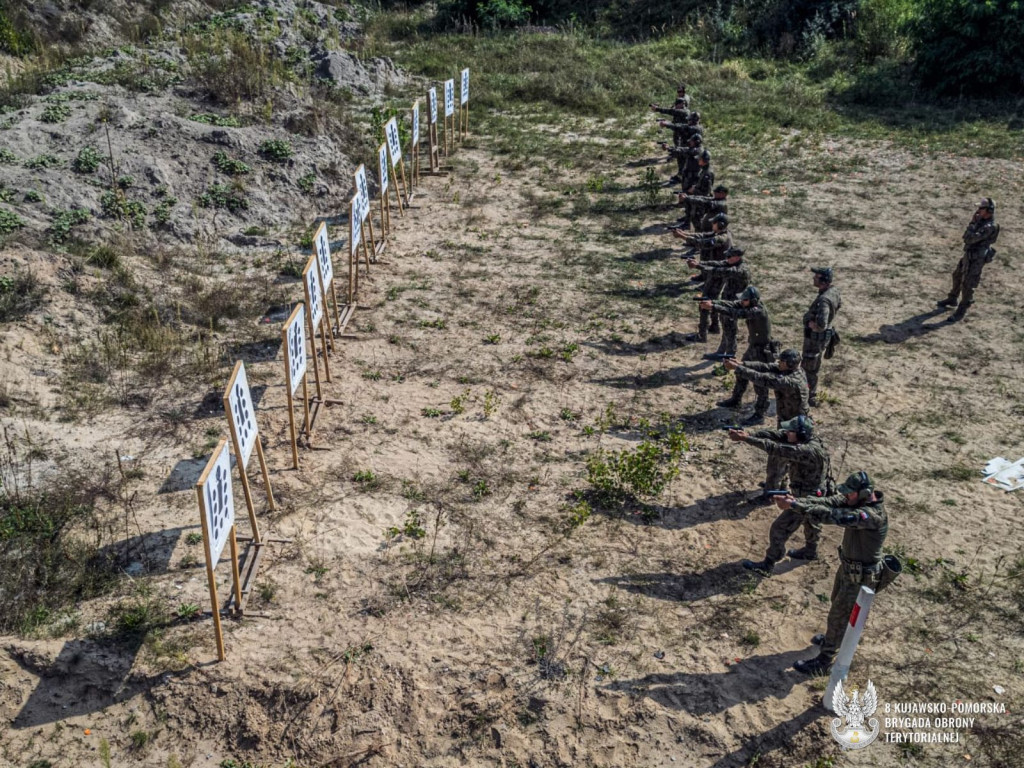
802	425
987	203
722	189
751	294
856	483
678	102
724	221
790	357
825	273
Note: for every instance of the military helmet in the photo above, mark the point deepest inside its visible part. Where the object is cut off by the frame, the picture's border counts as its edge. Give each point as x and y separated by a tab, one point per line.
704	157
802	425
751	294
681	87
722	189
697	140
734	251
724	221
988	204
825	273
790	357
695	117
679	102
858	483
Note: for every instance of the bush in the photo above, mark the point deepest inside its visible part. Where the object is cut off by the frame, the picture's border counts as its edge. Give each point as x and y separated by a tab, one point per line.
56	113
44	161
9	222
19	294
637	473
88	161
276	150
229	165
7	157
234	68
117	206
220	196
60	229
15	41
971	48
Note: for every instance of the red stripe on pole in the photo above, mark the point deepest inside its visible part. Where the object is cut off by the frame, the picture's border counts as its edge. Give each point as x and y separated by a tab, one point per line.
854	614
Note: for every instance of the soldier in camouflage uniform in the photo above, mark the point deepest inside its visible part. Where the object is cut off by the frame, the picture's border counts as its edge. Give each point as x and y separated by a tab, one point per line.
732	275
682	103
682	132
818	326
859	510
703	209
784	377
809	468
979	237
699	190
761	347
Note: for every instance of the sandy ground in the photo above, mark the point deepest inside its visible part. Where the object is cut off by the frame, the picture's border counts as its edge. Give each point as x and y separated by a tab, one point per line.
496	641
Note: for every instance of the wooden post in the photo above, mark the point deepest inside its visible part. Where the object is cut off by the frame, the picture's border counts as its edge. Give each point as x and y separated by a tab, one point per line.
362	189
394	144
293	337
385	179
245	436
322	252
464	105
414	151
449	116
432	140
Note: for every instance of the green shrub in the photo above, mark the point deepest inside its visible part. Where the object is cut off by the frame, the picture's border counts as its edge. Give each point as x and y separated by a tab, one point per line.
162	211
276	150
20	293
60	227
220	196
9	222
44	161
15	41
229	165
88	161
117	206
55	113
208	119
636	473
7	157
33	197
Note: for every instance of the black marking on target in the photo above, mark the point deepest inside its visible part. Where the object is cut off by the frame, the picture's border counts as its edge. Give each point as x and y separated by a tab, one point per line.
219	510
313	286
245	419
296	351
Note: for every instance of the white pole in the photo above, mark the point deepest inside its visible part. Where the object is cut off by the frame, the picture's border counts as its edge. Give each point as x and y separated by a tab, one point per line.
841	666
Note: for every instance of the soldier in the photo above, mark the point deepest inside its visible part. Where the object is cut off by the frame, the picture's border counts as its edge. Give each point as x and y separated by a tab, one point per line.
979	237
703	209
760	346
699	190
681	99
807	459
859	509
735	277
784	377
818	331
688	140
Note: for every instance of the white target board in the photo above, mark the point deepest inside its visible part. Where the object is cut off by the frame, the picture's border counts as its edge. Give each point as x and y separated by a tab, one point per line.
464	89
416	124
311	279
362	193
382	165
243	414
357	226
218	502
322	247
449	98
295	350
393	141
432	104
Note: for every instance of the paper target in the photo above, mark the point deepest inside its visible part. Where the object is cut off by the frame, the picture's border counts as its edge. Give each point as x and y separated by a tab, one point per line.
295	349
218	502
416	124
357	227
311	278
382	163
449	98
363	193
322	247
394	143
464	90
432	103
243	414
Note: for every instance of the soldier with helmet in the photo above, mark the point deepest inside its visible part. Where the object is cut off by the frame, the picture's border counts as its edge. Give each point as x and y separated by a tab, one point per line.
729	277
806	458
820	336
979	237
761	347
701	209
858	508
785	377
682	102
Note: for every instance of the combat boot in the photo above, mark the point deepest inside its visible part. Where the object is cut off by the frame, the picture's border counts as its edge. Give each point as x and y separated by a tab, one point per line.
949	301
763	568
731	402
701	337
812	399
715	328
803	554
818	639
959	314
753	419
819	665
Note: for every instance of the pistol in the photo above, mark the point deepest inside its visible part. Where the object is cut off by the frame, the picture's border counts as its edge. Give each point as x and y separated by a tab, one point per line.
776	493
720	356
732	427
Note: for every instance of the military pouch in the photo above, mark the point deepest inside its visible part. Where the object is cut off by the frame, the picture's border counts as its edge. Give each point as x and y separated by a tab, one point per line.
833	342
891	568
990	254
775	346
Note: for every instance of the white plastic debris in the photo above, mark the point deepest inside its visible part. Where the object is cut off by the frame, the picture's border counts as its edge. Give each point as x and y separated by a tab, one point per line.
1002	474
999	690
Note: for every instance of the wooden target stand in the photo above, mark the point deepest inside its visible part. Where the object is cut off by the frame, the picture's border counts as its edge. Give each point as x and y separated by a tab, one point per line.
325	266
293	338
217	516
414	151
244	431
449	117
464	106
315	318
394	145
362	193
385	195
359	215
434	144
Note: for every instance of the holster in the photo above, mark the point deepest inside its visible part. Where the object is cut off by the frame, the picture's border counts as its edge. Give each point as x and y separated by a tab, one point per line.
891	568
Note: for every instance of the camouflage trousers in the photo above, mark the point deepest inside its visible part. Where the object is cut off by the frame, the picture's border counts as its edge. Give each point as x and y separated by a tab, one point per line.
708	317
760	355
845	589
812	354
786	524
966	278
727	346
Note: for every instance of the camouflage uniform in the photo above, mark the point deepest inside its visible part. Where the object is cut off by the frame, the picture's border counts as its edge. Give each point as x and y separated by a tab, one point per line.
809	467
979	238
791	400
759	346
704	208
701	189
734	277
823	311
865	527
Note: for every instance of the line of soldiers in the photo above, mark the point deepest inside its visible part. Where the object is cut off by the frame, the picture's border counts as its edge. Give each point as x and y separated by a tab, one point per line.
793	450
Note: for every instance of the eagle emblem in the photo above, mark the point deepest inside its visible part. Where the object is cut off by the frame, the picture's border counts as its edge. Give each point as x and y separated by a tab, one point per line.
854	710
